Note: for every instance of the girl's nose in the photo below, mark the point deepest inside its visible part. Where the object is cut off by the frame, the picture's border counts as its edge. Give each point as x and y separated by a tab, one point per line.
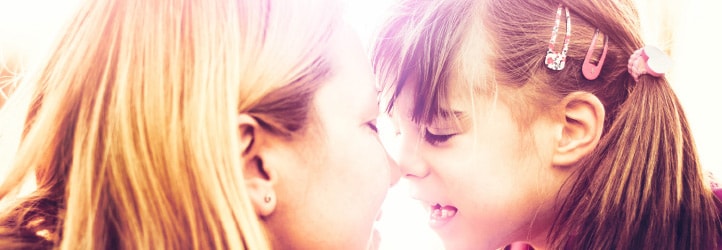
410	161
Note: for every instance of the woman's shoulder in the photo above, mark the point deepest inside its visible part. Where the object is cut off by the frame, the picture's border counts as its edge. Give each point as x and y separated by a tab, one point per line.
714	185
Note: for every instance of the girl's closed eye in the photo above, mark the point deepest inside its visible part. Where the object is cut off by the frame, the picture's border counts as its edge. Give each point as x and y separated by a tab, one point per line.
437	139
443	130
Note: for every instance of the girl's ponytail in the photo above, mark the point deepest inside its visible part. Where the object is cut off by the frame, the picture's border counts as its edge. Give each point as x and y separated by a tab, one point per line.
643	187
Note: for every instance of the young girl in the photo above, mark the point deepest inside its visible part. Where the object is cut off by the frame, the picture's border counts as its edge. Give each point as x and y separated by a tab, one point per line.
545	122
199	124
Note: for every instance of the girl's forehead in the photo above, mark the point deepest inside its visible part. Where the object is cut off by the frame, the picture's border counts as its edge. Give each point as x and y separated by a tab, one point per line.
453	101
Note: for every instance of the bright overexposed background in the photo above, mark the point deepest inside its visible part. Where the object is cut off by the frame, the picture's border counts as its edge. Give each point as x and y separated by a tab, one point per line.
688	29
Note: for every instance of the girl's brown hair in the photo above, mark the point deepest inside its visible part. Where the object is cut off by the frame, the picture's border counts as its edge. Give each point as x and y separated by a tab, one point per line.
642	187
132	129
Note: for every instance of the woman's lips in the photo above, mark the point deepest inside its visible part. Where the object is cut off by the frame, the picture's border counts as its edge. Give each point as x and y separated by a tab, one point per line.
441	215
375	240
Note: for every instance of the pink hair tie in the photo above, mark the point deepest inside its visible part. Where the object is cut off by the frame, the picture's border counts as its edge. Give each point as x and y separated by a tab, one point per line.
648	60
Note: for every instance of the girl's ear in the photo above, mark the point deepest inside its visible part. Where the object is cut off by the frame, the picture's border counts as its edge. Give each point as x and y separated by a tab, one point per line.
259	178
582	128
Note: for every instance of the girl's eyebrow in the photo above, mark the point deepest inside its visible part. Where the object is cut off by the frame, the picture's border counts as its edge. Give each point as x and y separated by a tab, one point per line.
445	114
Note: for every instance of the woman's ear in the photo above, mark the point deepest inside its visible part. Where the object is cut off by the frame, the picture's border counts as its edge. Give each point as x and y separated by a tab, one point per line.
581	130
258	177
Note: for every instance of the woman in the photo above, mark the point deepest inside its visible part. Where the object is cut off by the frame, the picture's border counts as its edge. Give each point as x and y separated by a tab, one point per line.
537	122
200	124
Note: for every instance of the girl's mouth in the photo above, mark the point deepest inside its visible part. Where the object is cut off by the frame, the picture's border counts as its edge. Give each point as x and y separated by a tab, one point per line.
440	215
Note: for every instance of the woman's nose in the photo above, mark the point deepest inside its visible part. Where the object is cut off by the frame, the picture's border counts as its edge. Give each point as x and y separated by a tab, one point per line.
395	172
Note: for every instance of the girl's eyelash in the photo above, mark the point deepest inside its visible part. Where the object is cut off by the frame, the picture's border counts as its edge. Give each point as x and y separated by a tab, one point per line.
434	139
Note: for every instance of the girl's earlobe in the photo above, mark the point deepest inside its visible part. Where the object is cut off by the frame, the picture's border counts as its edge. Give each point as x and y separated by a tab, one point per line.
582	129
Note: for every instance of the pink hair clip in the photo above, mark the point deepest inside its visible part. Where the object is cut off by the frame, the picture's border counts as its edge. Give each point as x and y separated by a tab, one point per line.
648	60
589	70
555	60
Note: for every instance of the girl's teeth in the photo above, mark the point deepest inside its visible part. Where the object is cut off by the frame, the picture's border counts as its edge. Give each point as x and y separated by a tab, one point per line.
436	212
441	215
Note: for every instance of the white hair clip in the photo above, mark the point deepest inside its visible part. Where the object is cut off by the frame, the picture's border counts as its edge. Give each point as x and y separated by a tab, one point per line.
556	60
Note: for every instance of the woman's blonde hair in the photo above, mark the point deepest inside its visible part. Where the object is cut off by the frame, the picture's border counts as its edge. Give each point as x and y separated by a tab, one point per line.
131	129
642	188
